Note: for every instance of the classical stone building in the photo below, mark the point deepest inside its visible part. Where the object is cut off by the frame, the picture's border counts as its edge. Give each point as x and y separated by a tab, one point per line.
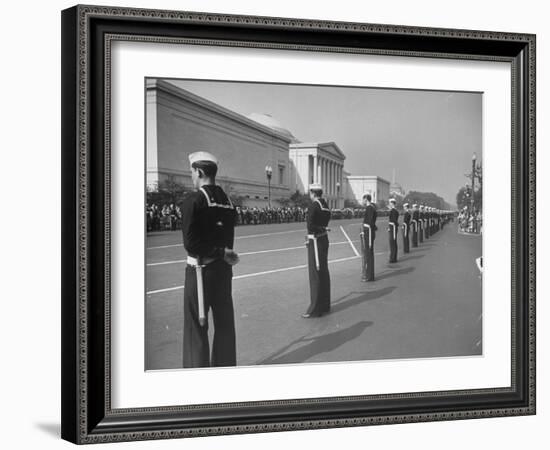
179	123
318	163
358	185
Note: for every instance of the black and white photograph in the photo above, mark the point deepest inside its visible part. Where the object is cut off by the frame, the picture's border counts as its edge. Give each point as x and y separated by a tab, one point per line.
274	222
300	224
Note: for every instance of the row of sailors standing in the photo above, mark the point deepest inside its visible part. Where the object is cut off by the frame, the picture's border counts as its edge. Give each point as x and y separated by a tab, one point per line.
208	228
418	224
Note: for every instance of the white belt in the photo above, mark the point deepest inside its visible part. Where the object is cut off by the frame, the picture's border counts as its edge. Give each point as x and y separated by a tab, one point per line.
194	262
370	234
315	236
394	230
200	285
315	248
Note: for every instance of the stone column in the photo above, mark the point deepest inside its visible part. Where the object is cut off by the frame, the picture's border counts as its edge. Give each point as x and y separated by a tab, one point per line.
330	177
333	183
341	180
342	184
334	179
315	169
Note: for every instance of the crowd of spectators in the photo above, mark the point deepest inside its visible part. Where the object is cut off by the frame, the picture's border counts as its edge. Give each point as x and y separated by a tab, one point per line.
168	217
470	221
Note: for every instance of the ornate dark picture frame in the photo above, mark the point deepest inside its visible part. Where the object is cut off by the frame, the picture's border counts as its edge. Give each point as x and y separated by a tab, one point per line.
87	34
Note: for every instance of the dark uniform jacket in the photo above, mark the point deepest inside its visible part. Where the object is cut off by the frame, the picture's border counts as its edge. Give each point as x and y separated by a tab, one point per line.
394	216
416	215
318	217
208	222
370	217
407	219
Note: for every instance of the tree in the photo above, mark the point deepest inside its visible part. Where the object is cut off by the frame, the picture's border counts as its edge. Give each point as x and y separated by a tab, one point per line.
284	202
168	192
464	198
236	198
426	198
300	200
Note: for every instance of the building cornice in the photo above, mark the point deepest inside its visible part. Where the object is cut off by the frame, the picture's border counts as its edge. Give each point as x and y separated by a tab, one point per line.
169	88
320	145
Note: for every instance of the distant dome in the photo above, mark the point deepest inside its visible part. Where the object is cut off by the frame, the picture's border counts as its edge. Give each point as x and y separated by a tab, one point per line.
397	189
396	186
274	124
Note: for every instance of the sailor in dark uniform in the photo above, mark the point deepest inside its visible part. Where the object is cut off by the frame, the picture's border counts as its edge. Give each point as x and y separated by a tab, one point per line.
208	233
428	220
421	218
415	224
318	217
428	214
406	227
393	227
368	233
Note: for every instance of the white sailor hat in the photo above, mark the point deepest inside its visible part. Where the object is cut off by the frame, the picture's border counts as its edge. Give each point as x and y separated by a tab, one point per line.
405	205
202	156
421	206
415	205
392	200
315	187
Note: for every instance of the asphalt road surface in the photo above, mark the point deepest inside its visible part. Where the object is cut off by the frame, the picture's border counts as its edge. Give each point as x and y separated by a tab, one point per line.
428	304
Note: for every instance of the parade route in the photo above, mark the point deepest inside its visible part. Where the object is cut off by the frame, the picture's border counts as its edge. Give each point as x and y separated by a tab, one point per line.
428	304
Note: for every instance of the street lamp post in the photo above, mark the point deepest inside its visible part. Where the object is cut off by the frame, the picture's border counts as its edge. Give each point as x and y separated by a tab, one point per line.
268	173
474	171
338	194
473	180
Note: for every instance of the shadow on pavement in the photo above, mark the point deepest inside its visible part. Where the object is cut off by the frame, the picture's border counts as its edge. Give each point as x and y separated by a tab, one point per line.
316	345
361	297
428	243
407	258
392	273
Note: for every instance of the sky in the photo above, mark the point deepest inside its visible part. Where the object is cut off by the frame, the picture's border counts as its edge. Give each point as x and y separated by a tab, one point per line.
427	137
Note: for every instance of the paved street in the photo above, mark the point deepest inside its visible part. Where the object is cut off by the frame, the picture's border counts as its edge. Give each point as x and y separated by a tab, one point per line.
426	305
